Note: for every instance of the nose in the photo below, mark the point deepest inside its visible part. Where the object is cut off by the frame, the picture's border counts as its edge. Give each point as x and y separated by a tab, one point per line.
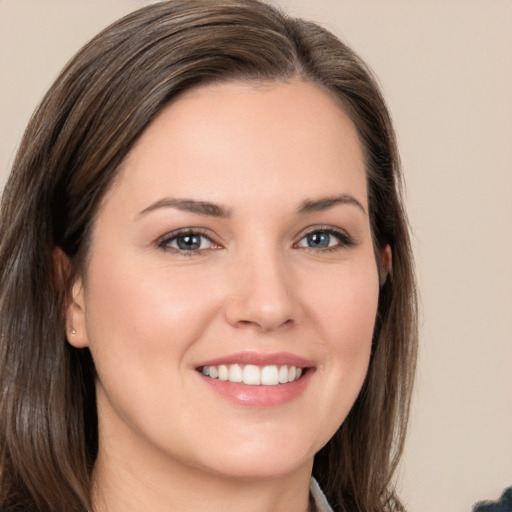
264	295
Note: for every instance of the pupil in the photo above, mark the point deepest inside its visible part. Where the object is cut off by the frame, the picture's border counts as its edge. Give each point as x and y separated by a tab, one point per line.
318	240
189	242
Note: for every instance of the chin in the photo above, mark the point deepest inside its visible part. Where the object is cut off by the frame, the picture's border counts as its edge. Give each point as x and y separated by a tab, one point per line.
262	460
260	468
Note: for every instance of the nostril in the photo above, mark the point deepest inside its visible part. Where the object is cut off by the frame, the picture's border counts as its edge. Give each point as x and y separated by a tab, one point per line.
263	305
264	325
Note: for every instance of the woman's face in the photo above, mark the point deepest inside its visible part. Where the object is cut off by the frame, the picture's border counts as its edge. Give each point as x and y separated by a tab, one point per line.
234	244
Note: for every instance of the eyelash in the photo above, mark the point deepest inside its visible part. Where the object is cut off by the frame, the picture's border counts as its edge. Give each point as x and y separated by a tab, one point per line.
345	241
164	242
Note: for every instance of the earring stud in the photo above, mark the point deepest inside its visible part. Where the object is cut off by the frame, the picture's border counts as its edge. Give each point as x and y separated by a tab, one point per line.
73	332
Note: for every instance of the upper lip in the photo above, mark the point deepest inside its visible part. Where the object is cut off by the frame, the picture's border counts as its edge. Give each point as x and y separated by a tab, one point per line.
259	359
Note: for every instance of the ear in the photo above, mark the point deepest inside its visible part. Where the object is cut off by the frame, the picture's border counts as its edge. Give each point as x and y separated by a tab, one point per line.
76	333
76	330
385	264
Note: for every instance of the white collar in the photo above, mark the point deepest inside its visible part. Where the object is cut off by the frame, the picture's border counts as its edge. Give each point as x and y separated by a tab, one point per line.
319	497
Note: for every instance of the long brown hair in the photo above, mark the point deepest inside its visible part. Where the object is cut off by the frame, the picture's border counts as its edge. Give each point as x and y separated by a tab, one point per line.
71	151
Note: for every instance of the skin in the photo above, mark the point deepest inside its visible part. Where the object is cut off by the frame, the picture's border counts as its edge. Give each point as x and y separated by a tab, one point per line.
151	313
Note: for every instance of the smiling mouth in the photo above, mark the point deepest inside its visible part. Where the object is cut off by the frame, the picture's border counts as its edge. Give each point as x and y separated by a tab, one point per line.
253	375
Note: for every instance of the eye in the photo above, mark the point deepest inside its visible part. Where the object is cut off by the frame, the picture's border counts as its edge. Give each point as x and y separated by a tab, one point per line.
188	241
322	239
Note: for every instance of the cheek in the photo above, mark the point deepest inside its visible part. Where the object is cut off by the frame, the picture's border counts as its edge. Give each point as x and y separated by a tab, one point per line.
346	306
136	311
141	322
345	317
350	342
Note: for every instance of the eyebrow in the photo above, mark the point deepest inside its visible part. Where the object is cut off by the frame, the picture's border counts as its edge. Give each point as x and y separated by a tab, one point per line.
215	210
325	203
189	205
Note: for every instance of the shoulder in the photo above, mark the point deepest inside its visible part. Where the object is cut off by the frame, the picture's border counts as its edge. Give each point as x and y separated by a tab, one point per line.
504	504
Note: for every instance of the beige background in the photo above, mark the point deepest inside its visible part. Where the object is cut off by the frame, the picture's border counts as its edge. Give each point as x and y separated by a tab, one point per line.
446	69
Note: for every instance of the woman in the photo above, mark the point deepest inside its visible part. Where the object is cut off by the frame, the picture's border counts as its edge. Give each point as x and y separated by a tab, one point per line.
206	280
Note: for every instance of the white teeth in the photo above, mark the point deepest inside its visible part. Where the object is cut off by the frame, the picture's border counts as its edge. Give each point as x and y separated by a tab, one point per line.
270	376
283	374
253	375
223	372
235	373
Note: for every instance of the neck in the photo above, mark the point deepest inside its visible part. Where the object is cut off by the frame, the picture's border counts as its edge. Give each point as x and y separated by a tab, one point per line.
124	486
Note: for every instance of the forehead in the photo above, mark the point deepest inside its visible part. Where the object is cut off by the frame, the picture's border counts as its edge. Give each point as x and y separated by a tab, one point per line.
255	139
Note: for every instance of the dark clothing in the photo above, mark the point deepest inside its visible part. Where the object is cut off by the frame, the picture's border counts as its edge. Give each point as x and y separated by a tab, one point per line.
504	504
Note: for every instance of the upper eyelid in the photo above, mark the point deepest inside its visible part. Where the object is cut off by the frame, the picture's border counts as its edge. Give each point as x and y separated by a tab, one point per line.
322	227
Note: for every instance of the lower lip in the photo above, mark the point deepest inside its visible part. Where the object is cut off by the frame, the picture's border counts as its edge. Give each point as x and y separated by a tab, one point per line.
259	396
